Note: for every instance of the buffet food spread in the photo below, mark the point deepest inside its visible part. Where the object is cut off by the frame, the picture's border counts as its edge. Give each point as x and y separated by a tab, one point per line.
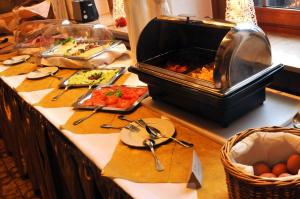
213	74
117	98
72	48
93	77
200	74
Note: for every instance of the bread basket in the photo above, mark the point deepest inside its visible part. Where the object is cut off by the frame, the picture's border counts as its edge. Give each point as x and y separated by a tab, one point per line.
242	185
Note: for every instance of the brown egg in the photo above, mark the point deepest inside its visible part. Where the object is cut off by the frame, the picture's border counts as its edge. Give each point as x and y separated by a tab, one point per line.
284	175
279	168
293	163
268	175
260	168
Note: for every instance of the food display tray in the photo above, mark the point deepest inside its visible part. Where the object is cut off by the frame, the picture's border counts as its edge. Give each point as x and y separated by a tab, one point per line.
79	103
221	109
113	43
121	71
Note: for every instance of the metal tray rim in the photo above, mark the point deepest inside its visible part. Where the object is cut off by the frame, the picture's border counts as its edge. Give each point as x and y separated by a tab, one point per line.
77	105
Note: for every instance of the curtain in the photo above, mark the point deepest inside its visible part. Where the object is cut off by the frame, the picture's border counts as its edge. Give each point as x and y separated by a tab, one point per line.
138	14
240	11
61	9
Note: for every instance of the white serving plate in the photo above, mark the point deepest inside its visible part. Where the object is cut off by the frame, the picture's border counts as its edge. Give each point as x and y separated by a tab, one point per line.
42	72
136	139
16	60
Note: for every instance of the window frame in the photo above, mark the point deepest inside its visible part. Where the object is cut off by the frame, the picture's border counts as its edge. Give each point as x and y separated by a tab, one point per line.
278	19
270	19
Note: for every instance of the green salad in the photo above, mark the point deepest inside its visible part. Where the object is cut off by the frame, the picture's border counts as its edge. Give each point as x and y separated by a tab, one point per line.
92	77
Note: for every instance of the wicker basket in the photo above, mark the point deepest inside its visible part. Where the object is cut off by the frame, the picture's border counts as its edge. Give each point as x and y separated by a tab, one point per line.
242	185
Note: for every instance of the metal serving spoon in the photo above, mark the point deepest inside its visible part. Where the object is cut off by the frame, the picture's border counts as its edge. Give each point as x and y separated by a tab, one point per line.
155	133
60	94
150	143
86	117
123	117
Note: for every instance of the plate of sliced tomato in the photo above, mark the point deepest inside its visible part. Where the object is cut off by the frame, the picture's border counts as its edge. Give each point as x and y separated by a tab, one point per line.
113	98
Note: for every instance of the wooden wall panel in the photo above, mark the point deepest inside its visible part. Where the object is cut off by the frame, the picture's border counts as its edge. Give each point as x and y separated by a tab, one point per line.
219	7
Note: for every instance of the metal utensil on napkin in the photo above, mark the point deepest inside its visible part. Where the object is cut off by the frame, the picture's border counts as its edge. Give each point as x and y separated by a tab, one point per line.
150	143
60	94
155	133
86	117
128	126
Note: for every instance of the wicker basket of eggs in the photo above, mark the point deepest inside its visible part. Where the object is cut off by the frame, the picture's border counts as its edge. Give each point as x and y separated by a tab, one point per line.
263	163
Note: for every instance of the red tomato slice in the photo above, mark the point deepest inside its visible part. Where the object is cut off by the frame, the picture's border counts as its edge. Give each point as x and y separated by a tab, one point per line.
99	102
107	90
99	96
129	94
141	91
88	102
123	103
111	100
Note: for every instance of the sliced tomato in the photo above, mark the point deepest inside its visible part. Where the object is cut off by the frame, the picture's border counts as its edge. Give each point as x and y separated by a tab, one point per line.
129	94
111	100
88	102
99	102
99	96
124	103
140	91
106	90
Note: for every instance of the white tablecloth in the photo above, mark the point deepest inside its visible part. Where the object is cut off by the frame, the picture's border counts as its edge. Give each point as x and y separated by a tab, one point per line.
100	147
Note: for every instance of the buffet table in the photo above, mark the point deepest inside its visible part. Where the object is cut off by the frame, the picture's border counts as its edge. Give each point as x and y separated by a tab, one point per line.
67	162
61	163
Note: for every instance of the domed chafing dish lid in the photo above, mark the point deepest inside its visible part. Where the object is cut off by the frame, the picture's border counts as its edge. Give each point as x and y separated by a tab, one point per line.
240	53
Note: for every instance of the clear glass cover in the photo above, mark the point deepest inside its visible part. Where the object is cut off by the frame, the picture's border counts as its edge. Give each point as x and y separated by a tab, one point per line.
47	33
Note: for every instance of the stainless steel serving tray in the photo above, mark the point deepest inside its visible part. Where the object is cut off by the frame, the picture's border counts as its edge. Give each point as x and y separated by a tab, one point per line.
79	103
114	43
121	71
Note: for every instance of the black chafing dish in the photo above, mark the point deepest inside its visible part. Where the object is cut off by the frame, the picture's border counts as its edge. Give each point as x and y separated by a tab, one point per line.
218	70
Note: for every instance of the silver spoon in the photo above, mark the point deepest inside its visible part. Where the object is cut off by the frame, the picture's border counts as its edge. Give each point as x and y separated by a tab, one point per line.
123	117
150	143
155	133
60	94
128	126
86	117
296	120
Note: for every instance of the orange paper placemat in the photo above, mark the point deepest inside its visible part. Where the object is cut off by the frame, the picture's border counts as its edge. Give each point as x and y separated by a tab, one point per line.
6	56
138	165
92	125
44	83
18	69
66	100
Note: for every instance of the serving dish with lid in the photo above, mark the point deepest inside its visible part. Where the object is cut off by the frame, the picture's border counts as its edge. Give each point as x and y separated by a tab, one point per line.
237	61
